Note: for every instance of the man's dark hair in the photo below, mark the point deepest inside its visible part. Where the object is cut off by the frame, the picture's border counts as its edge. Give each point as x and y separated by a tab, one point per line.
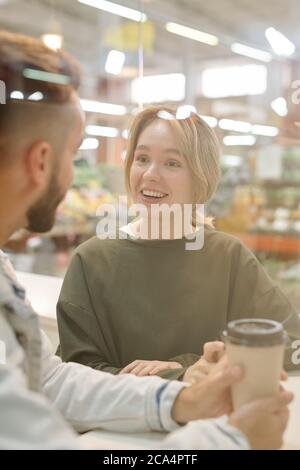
28	66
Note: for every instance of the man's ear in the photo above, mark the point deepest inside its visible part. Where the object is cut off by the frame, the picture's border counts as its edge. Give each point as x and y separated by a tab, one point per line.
38	163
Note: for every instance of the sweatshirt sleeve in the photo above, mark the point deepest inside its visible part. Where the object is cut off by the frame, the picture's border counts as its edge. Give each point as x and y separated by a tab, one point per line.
186	360
91	399
81	336
253	294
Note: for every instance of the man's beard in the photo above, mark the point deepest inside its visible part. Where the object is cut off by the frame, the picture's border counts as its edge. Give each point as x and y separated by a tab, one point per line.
41	216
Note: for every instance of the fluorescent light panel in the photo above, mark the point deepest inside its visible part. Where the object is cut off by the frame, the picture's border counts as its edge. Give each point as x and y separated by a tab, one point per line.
53	41
103	108
90	143
236	126
252	52
280	44
36	96
231	160
234	81
239	140
268	131
17	95
158	88
185	111
192	33
279	105
43	76
115	62
116	9
102	131
210	120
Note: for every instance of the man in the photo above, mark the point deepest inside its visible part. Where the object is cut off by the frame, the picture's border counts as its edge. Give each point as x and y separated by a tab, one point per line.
39	135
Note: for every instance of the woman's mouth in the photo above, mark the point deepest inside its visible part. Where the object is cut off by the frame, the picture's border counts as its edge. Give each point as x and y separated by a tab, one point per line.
152	196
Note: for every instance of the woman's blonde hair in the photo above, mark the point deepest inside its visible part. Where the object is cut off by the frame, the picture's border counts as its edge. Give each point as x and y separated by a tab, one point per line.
197	142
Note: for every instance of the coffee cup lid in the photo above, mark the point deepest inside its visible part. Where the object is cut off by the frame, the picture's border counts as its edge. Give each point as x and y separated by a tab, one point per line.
254	332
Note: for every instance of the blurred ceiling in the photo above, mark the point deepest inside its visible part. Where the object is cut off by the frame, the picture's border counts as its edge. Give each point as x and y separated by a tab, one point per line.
231	20
88	31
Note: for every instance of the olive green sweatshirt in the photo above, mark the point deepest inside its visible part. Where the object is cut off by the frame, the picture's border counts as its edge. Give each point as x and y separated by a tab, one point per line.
130	299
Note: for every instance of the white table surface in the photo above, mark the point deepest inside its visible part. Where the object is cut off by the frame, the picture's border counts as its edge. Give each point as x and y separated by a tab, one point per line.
113	441
42	291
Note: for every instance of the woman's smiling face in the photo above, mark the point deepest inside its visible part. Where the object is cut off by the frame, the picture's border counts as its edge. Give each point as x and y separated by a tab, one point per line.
159	172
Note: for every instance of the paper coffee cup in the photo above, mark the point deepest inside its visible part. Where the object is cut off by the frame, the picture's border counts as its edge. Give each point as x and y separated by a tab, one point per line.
257	346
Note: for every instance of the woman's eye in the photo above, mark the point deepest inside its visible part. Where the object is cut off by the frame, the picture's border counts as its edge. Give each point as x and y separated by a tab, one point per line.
141	158
173	164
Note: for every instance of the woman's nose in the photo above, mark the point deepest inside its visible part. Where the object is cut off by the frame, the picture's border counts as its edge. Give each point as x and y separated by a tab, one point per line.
152	172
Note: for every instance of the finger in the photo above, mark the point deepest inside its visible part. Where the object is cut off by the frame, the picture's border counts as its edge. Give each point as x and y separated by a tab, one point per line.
212	350
196	377
145	371
279	401
283	375
158	369
127	369
138	369
227	376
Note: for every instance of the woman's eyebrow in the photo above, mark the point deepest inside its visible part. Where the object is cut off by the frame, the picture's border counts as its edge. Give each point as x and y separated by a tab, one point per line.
142	147
167	150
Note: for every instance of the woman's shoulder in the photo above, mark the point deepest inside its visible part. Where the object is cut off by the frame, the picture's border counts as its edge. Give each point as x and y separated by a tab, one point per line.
96	246
215	236
225	243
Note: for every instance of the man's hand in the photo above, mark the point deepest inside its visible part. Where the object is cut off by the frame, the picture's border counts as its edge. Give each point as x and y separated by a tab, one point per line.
141	368
209	398
212	352
264	421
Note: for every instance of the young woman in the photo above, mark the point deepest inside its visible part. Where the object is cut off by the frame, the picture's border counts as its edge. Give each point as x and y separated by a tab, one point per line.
146	304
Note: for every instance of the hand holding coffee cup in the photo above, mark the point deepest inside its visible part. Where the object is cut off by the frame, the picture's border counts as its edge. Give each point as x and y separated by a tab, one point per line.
257	346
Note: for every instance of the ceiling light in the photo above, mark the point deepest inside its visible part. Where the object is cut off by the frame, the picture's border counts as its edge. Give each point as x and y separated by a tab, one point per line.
116	9
252	52
115	62
211	121
268	131
185	111
102	131
192	33
231	160
280	44
103	108
16	95
42	76
90	143
53	41
240	80
239	140
158	88
237	126
165	115
37	96
279	105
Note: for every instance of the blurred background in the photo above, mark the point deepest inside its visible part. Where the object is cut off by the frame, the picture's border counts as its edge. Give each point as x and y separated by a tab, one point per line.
237	62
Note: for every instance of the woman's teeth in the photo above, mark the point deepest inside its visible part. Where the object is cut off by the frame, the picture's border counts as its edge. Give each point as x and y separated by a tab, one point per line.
153	194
